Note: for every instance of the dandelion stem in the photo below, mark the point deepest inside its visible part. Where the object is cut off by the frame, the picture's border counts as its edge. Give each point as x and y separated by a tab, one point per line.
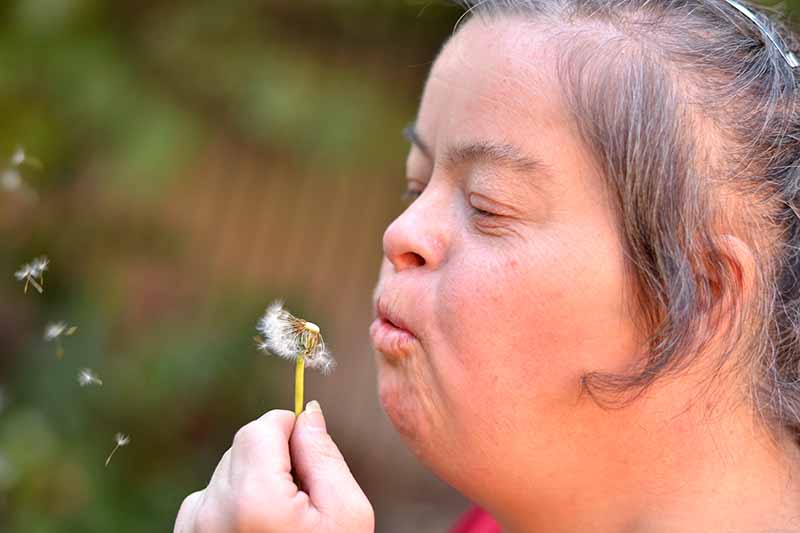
298	384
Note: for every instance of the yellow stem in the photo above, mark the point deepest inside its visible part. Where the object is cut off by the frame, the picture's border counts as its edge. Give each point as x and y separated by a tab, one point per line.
298	384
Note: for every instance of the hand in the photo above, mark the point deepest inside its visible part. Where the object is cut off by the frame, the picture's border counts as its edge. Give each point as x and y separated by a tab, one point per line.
252	490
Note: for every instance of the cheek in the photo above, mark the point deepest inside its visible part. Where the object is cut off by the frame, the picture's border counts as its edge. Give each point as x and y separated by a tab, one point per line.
533	324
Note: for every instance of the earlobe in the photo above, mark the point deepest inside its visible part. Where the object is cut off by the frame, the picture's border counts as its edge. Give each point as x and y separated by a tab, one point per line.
741	262
732	282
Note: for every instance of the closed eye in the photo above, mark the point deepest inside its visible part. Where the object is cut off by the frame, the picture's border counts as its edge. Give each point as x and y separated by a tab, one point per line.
414	188
480	206
410	195
482	213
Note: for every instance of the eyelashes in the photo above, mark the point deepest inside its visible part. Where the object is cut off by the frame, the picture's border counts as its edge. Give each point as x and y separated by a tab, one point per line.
409	195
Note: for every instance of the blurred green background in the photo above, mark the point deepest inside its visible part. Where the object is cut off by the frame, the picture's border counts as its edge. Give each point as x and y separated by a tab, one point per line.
199	159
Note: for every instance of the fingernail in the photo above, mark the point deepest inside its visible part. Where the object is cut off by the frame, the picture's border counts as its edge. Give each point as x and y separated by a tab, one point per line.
314	417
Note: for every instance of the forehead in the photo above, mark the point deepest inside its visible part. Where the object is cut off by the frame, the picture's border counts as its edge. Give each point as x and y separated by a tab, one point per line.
493	81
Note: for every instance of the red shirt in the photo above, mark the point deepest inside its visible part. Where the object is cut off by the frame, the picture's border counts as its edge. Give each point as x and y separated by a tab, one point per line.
476	520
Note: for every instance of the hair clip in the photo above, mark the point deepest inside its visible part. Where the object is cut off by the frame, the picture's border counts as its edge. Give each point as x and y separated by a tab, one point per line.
787	54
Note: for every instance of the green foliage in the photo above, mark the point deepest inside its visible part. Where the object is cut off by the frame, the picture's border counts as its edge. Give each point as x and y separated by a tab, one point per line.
120	100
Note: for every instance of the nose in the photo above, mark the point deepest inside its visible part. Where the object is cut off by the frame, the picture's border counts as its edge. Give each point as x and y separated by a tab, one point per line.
418	237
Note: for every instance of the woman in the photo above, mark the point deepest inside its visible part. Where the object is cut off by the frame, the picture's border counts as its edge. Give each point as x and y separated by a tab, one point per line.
587	316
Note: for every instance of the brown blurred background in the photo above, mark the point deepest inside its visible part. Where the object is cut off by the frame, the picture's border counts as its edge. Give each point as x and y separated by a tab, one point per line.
198	160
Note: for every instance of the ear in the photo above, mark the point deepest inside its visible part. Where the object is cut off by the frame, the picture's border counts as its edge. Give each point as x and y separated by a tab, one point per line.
738	277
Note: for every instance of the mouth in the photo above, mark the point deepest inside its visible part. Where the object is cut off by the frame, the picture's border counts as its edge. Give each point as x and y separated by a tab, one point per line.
390	335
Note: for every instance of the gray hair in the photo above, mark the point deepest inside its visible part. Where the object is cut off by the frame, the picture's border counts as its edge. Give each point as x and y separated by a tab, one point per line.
691	115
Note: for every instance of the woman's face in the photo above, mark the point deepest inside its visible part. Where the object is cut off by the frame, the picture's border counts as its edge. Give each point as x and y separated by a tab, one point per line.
507	268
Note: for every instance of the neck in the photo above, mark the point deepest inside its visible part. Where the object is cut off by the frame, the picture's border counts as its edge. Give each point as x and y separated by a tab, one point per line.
688	474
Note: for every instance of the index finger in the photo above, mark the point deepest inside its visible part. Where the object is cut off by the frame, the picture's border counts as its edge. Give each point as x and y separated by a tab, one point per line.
261	448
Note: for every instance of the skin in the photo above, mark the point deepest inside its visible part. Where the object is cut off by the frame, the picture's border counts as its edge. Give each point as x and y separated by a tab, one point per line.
283	474
512	306
512	284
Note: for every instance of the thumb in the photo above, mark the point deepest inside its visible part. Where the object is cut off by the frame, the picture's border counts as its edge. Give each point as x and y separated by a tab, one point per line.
320	466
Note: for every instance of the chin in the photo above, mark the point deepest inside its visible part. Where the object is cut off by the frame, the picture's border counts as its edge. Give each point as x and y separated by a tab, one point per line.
400	404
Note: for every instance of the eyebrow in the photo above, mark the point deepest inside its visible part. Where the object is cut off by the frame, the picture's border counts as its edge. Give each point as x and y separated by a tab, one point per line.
500	154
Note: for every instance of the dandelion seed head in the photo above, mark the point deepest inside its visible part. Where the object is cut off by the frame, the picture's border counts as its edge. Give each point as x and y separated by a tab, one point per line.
288	336
54	330
320	358
325	365
279	329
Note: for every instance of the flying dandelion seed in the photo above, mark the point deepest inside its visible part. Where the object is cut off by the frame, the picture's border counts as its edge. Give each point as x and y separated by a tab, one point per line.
20	157
40	264
54	331
87	377
295	339
33	273
10	179
26	273
121	440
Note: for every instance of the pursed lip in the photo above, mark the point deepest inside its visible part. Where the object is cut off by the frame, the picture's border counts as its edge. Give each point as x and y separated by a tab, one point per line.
390	334
385	312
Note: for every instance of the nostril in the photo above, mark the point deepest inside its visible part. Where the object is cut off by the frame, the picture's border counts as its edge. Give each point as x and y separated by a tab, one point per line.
411	260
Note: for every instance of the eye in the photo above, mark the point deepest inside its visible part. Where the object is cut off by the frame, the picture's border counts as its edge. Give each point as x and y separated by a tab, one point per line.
410	195
413	189
480	206
482	213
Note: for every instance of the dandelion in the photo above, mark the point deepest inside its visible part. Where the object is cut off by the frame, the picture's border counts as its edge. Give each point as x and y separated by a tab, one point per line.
121	440
87	377
32	272
53	333
296	339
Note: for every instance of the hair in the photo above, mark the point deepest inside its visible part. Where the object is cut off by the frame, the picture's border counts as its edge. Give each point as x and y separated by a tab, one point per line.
690	113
